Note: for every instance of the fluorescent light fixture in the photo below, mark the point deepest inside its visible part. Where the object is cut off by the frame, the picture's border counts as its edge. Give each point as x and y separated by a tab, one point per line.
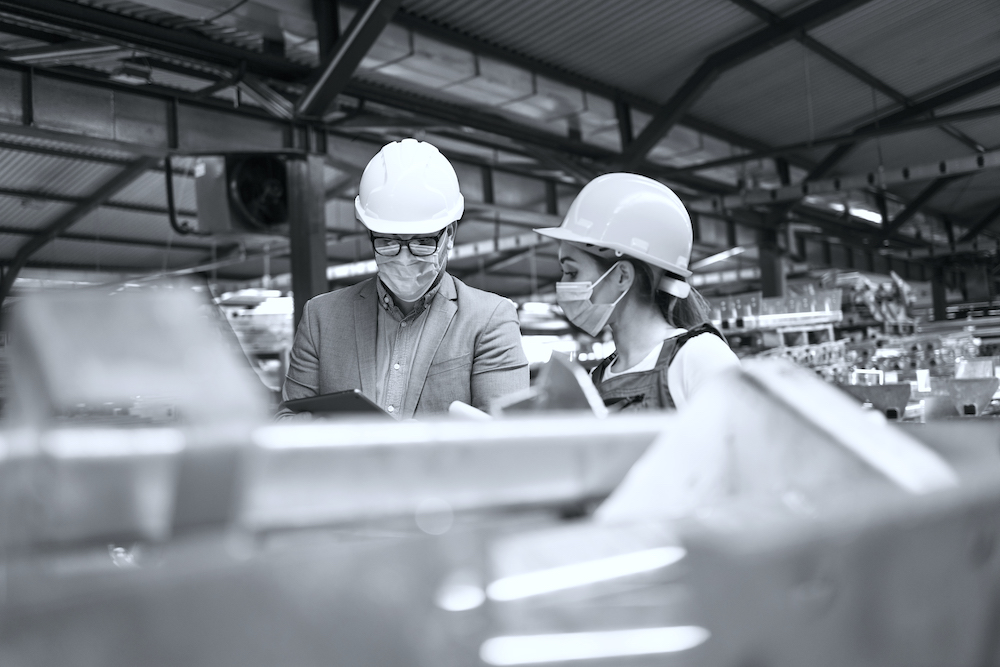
54	53
535	649
560	578
865	214
133	74
718	257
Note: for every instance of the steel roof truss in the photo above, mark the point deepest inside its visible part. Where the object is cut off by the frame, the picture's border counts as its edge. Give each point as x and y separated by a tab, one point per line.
743	50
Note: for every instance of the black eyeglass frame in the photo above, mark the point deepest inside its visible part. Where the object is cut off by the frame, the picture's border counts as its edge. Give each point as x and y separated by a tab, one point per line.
408	243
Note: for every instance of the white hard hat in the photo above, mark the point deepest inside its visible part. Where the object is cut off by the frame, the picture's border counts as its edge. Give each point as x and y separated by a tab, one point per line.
408	188
632	215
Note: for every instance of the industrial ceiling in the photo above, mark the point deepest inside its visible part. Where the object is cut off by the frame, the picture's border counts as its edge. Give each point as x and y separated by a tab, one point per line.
846	133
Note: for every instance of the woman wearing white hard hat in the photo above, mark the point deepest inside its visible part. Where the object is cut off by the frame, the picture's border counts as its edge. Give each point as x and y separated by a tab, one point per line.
624	251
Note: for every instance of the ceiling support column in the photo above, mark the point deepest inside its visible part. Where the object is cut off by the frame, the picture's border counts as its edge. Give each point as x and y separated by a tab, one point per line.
307	230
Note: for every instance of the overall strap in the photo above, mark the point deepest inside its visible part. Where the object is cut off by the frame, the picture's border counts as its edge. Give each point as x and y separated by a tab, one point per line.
691	333
597	372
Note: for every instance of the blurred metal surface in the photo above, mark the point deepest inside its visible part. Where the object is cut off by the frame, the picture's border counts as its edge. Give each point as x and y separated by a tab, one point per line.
838	540
128	356
912	583
346	472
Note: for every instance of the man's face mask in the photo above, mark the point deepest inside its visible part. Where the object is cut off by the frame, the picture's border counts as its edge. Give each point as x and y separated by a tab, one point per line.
574	299
408	275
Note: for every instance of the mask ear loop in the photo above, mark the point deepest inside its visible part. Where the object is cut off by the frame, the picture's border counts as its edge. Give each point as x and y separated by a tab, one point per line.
620	296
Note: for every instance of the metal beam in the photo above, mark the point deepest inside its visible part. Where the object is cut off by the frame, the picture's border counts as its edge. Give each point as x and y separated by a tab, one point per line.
466	117
847	66
912	174
136	32
327	26
339	66
104	239
953	95
981	224
916	204
872	132
852	228
465	41
112	186
195	47
67	199
759	42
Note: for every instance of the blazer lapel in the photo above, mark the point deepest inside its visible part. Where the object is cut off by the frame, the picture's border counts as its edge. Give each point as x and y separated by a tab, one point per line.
442	312
365	329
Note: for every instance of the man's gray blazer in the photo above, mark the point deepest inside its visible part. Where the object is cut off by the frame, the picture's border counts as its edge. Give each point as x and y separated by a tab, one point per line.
469	351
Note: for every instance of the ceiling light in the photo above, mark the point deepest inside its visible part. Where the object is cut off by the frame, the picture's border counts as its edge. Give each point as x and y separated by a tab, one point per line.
133	74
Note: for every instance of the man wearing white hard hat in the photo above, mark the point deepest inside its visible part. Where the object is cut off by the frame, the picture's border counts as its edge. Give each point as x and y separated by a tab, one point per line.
624	250
413	338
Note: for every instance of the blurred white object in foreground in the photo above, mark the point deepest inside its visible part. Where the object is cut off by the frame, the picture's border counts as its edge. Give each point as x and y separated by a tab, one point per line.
772	431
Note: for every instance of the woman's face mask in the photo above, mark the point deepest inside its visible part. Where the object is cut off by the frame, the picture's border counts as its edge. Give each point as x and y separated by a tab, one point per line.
574	299
409	277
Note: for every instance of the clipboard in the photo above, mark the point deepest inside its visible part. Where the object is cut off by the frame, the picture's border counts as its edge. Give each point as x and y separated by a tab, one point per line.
340	403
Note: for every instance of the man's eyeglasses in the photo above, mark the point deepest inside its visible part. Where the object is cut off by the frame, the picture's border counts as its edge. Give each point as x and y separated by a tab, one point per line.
420	246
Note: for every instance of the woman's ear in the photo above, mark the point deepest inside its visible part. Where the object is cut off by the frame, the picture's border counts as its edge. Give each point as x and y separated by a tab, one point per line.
626	274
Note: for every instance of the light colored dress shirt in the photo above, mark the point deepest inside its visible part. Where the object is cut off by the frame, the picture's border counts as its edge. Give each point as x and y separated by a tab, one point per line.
398	336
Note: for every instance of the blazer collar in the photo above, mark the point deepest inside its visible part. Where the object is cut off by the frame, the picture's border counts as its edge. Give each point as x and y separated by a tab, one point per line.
442	312
365	331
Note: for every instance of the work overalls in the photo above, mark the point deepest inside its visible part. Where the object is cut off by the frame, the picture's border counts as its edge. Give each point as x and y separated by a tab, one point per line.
645	389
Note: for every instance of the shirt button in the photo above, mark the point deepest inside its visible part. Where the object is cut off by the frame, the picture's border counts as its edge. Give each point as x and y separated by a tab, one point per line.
402	324
395	366
390	409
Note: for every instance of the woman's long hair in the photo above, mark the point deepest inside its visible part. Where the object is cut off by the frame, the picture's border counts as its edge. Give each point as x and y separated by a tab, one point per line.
680	313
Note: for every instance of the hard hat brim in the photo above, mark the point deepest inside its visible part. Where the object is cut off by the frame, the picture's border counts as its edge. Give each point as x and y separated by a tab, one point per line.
405	227
563	234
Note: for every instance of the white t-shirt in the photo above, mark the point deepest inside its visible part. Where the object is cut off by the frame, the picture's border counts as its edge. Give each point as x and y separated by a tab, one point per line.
699	358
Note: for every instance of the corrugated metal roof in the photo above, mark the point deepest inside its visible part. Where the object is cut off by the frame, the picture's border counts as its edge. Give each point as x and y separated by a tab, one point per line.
971	197
643	46
29	213
917	46
150	189
9	245
67	147
773	96
50	174
985	130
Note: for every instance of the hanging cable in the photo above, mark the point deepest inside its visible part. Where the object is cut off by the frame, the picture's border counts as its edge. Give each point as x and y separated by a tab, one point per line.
809	99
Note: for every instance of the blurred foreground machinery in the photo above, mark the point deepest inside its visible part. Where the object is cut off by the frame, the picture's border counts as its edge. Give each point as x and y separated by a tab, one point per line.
773	522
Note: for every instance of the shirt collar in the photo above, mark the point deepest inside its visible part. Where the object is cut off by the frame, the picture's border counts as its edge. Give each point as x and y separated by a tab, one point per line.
388	304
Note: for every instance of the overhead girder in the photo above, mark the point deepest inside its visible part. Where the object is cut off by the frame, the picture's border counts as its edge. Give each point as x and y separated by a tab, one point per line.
870	133
956	166
713	66
847	66
338	67
136	32
953	95
981	225
915	204
110	240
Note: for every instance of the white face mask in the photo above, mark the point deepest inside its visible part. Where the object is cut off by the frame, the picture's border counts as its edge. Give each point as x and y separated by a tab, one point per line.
574	299
409	277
